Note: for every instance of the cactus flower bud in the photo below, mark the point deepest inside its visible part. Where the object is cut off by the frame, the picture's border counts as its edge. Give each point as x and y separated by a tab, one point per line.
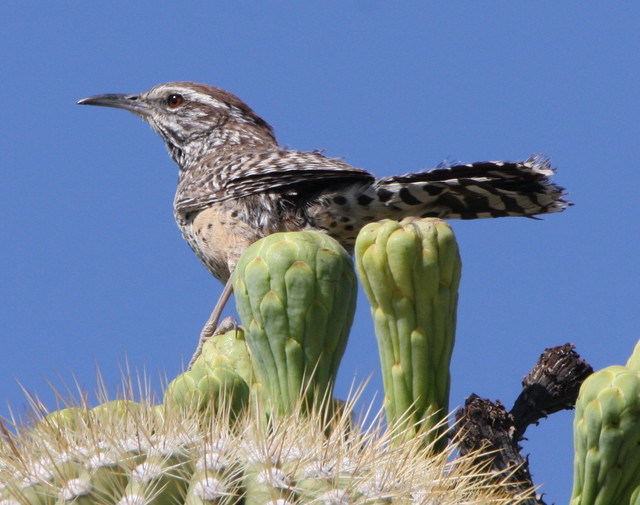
207	388
231	349
607	438
410	271
295	293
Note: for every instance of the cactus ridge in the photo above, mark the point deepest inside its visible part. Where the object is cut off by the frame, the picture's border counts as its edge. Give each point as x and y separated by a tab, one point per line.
295	293
607	437
410	271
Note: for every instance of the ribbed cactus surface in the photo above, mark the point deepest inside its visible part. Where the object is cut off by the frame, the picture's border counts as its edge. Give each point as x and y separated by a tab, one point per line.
295	293
410	271
223	370
607	438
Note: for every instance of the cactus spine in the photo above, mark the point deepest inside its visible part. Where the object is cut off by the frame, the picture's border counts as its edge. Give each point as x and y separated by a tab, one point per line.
305	457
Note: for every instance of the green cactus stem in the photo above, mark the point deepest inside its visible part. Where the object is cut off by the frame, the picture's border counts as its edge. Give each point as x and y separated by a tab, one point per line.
295	293
410	271
607	438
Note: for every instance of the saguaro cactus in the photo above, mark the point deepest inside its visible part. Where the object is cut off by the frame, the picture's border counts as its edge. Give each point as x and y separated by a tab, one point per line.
124	453
410	271
295	293
607	437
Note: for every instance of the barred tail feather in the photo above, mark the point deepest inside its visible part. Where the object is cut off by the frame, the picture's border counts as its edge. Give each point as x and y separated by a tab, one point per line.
475	190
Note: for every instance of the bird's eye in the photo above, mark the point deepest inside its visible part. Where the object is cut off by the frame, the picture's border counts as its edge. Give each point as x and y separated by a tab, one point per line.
174	101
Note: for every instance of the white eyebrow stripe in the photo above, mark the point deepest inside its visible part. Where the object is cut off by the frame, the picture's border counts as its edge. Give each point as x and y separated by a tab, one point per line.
209	100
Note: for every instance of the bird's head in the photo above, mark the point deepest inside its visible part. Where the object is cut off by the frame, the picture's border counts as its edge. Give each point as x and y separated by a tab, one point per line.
192	118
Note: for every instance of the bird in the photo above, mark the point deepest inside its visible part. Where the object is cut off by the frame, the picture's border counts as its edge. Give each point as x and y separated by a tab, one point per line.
236	184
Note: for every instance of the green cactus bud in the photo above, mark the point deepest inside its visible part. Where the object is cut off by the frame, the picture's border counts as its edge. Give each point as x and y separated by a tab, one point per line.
233	346
410	271
607	438
119	410
64	419
295	293
207	388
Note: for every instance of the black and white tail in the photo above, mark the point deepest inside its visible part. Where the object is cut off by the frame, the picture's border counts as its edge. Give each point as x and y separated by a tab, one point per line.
471	191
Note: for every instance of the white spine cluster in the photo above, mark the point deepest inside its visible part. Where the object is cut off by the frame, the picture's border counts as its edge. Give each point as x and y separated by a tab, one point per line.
130	454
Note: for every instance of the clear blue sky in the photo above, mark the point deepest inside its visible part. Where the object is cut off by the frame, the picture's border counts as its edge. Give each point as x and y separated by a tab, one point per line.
93	268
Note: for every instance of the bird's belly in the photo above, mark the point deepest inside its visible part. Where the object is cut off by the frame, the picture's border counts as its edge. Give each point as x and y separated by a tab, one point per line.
218	239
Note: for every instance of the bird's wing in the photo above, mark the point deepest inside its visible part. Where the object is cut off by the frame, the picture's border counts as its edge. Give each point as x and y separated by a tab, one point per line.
290	173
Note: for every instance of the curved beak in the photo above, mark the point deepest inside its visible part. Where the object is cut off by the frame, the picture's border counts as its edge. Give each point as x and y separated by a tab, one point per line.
131	103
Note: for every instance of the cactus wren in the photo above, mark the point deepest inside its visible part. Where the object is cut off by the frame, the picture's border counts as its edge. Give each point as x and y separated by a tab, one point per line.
236	185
